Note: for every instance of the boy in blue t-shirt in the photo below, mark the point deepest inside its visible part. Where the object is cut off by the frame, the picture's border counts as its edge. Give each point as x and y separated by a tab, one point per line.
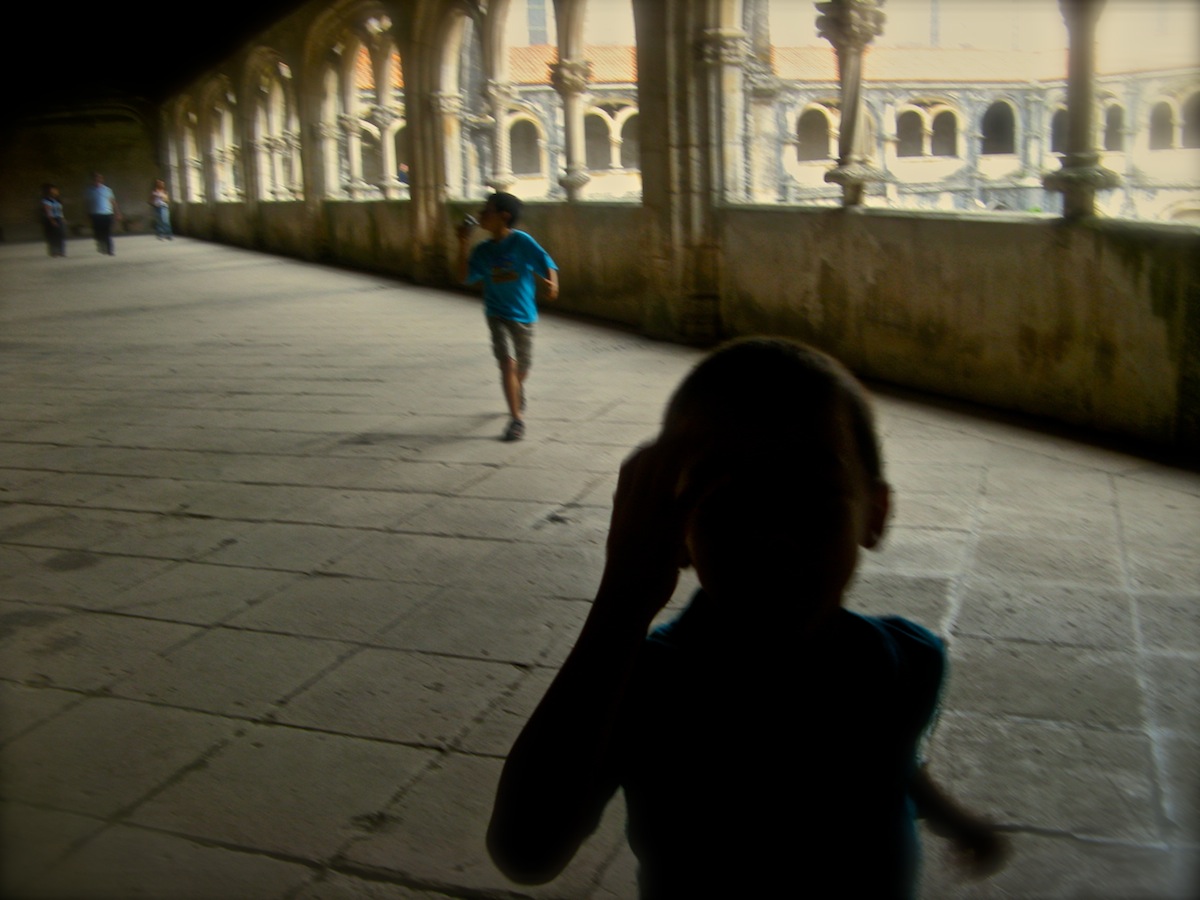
767	740
510	265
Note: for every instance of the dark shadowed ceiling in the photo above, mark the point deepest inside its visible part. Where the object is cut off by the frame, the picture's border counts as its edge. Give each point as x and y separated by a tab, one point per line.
65	54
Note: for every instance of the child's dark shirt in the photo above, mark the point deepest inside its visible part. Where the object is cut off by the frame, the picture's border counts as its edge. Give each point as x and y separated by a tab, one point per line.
750	774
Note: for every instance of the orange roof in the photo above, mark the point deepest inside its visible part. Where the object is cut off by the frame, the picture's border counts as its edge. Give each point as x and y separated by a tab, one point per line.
610	64
364	77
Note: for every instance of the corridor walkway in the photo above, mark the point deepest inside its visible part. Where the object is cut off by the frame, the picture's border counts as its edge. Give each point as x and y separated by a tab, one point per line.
274	600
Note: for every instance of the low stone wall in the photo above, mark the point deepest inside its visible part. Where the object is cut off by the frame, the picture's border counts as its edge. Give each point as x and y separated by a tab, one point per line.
1095	324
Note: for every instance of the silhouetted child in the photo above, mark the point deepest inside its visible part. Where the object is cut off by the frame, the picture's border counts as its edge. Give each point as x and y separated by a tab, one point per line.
767	740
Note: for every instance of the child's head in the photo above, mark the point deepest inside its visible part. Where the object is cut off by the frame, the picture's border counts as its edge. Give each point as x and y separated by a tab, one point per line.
781	476
505	205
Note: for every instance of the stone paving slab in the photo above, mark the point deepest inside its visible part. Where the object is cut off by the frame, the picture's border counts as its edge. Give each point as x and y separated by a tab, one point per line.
275	600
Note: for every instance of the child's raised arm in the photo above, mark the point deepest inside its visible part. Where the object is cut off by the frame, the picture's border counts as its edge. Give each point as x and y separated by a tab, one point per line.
980	848
561	770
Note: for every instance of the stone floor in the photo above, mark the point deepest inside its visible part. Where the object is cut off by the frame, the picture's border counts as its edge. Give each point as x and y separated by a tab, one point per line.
274	600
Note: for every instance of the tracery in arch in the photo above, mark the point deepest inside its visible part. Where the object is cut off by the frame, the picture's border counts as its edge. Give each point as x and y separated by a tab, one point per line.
222	147
188	169
362	106
275	140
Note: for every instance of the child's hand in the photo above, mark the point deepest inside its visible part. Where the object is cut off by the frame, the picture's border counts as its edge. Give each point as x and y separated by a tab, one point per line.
645	539
979	848
549	289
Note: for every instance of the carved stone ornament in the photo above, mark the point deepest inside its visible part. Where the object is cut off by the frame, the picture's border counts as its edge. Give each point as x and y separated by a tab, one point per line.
570	76
721	47
382	116
446	103
850	24
500	93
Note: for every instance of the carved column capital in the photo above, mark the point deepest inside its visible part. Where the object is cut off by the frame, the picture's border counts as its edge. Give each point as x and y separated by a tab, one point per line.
850	24
499	93
446	103
382	116
723	47
571	76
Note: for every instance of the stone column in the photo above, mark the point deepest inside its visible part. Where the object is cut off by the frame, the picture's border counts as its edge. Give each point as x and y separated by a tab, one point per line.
764	139
570	79
499	96
1081	174
850	25
352	141
724	53
383	118
447	107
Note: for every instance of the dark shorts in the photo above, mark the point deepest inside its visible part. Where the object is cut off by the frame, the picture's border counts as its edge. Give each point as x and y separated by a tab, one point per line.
512	339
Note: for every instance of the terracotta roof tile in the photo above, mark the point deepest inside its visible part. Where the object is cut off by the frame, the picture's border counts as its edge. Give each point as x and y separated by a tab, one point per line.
610	65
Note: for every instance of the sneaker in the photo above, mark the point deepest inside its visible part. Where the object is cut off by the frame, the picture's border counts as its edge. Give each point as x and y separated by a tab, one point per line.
515	431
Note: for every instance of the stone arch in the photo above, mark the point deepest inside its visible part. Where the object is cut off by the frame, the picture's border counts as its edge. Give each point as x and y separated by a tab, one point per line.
1190	126
219	139
525	142
631	141
459	99
911	128
998	129
189	178
814	134
1114	128
273	127
1058	131
943	140
357	77
597	136
1161	126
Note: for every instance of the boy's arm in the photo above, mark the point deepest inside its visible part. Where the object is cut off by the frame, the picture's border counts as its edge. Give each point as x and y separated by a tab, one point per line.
463	233
981	848
561	771
550	292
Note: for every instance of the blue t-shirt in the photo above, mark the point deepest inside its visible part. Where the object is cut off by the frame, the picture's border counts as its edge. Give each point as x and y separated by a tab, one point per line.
506	269
100	200
748	774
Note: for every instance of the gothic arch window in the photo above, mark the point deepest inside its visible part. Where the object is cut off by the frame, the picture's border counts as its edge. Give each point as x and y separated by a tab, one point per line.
223	148
1114	129
944	140
597	139
361	100
523	144
192	159
1191	122
910	134
812	136
631	151
1058	131
463	111
998	129
1162	127
276	140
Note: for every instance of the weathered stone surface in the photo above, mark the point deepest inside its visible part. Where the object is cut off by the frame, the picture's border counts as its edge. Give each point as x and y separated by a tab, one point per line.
361	672
396	695
285	791
106	754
